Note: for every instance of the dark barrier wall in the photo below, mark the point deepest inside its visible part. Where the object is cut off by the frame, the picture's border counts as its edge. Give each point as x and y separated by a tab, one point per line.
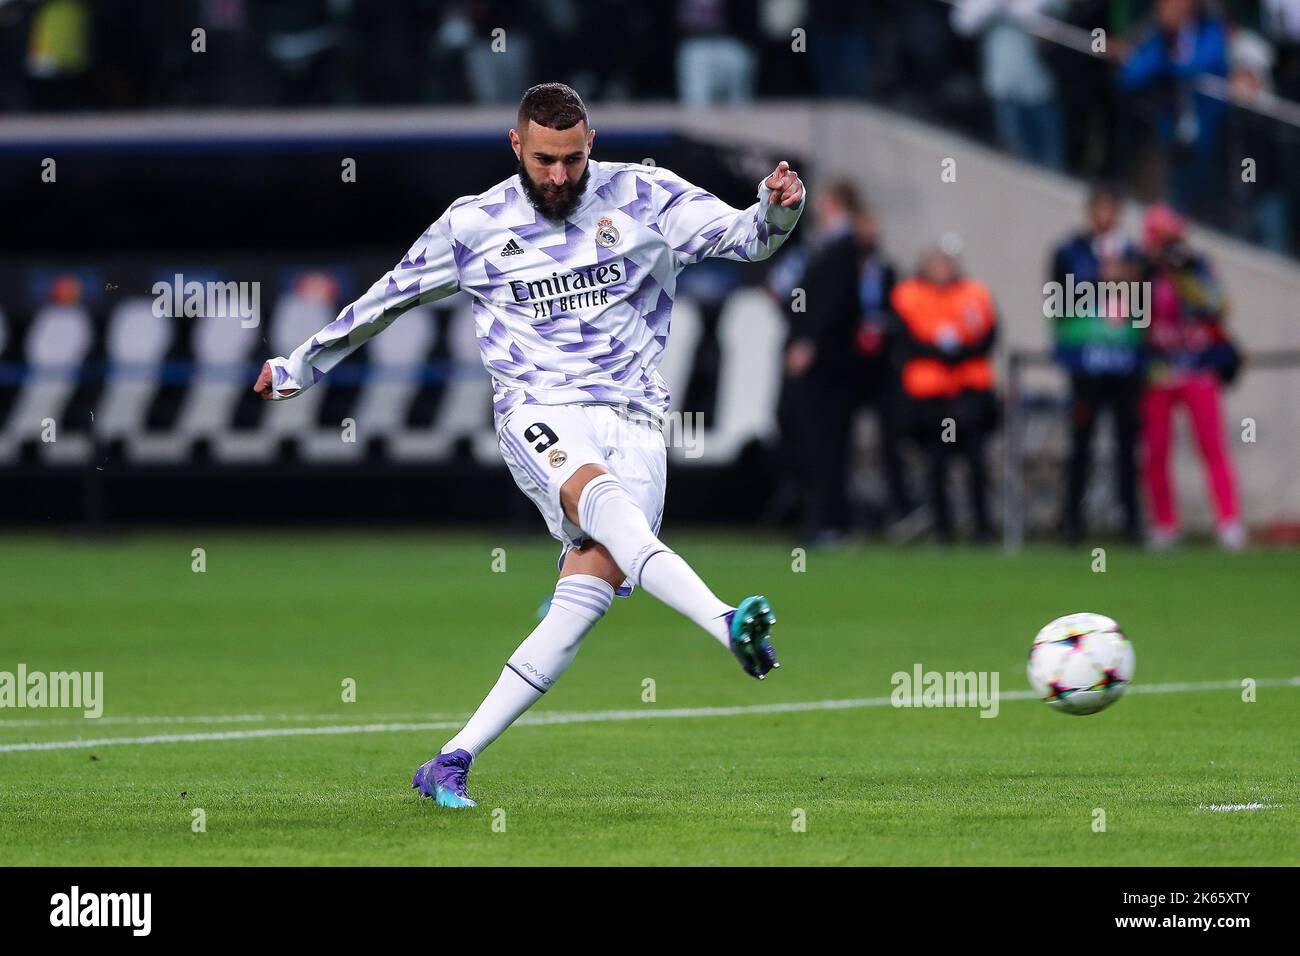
230	194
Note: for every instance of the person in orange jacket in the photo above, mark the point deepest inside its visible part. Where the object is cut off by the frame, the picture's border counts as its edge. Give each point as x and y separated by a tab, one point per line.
947	325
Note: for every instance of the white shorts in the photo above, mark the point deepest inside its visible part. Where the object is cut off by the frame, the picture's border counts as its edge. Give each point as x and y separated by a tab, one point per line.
543	445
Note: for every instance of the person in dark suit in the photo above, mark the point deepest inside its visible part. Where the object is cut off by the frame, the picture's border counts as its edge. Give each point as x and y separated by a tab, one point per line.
1104	358
878	381
836	359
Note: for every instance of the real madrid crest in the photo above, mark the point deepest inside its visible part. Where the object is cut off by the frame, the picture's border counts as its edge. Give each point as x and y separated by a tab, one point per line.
606	234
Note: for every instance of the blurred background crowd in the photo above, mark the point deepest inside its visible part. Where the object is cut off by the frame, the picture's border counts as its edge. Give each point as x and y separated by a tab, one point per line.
914	351
1159	102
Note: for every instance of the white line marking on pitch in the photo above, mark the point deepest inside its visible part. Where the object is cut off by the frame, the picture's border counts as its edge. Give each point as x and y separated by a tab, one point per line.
1232	807
585	717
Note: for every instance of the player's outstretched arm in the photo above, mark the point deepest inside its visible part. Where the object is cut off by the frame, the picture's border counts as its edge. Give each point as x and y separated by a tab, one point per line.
427	273
698	224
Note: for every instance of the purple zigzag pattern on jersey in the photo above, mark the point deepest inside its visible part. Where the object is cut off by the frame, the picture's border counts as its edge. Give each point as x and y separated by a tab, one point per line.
616	355
497	334
491	272
766	230
645	295
340	326
570	249
659	319
508	368
636	286
464	255
610	357
557	322
695	245
613	185
532	230
539	376
506	402
676	190
621	375
588	333
393	289
652	388
638	207
601	393
631	279
529	376
494	209
513	362
409	263
580	346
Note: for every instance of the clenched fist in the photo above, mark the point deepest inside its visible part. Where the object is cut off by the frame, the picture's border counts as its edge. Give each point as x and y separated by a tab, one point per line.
785	185
263	386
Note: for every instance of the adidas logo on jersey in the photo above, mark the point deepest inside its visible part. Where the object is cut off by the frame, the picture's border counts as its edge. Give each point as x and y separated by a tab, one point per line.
512	248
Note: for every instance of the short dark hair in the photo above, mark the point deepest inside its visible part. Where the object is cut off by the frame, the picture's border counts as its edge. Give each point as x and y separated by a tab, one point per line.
845	195
553	105
1103	189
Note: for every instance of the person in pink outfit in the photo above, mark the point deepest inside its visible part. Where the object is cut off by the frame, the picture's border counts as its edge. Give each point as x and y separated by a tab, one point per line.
1191	359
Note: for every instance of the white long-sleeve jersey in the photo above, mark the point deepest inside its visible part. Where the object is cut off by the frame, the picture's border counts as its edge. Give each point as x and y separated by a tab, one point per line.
565	312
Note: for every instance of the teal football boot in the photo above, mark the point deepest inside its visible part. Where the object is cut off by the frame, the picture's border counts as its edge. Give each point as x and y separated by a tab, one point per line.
749	627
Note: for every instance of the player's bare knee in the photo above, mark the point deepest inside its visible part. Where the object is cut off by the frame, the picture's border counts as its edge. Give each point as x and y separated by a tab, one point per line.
593	559
571	490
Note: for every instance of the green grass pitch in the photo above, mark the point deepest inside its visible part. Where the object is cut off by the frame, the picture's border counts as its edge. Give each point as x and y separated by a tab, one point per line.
264	638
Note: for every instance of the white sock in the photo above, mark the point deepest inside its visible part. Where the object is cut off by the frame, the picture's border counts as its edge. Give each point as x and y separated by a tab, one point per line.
610	515
579	602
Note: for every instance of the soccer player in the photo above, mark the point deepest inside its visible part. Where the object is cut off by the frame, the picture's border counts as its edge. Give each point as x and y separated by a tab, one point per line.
572	265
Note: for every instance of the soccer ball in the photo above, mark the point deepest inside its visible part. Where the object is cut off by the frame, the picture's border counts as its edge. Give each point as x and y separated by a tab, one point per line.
1081	663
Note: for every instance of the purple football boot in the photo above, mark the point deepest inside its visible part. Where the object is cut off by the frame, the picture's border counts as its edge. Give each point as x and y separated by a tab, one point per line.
443	778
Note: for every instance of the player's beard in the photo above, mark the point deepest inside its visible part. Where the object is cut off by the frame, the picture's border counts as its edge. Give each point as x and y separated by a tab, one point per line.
555	204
